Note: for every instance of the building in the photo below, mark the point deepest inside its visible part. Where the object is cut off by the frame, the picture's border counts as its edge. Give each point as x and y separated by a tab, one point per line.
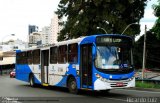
32	28
7	54
7	57
35	39
45	34
55	29
13	45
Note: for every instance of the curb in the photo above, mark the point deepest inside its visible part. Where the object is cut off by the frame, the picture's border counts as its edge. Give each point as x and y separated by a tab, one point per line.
145	89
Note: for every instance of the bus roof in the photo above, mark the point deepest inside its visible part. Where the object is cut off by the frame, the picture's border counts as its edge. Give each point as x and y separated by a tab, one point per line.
71	41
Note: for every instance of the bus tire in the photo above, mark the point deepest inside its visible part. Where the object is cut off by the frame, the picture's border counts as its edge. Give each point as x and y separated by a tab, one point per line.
31	81
72	85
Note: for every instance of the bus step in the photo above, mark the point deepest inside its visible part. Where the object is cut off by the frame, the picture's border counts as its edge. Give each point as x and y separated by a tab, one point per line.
86	89
44	84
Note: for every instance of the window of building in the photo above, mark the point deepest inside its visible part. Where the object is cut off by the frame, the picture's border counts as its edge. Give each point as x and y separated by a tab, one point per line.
62	54
36	56
53	55
15	47
73	53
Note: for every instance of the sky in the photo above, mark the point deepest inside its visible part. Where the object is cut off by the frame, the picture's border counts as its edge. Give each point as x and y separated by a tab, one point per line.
149	18
16	15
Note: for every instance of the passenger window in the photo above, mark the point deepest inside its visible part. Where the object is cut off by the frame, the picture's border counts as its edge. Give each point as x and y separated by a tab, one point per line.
29	57
36	56
62	54
21	58
24	58
73	53
53	55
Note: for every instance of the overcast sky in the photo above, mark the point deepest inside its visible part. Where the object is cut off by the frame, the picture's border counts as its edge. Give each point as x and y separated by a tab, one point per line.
16	15
149	19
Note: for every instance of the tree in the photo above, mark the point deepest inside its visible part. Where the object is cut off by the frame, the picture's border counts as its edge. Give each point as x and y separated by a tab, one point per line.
152	51
156	27
152	44
84	16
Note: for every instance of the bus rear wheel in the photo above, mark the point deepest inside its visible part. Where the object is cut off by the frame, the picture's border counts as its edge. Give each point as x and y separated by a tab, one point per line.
72	85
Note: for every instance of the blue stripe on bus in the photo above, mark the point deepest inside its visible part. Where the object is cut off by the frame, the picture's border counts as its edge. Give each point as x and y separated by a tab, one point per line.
71	71
22	73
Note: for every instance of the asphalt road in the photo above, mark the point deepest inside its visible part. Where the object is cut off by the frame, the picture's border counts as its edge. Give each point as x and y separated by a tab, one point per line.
15	91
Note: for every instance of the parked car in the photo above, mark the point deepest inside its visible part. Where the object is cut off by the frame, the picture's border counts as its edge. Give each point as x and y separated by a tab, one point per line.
13	74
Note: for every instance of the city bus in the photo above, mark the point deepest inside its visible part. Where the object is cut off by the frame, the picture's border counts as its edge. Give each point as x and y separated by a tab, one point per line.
99	62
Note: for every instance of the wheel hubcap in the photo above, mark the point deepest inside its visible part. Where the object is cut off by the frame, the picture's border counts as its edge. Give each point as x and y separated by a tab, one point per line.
73	86
31	82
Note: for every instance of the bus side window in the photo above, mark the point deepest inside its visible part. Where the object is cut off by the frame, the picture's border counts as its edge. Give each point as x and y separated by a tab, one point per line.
53	55
62	54
18	58
29	57
73	53
36	56
23	57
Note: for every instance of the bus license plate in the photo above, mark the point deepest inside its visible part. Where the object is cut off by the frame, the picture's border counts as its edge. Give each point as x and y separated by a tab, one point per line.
120	84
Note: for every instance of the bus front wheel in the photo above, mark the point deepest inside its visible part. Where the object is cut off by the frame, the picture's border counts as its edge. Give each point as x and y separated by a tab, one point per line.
72	85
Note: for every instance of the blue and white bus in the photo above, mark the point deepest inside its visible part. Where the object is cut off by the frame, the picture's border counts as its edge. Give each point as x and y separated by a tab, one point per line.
97	62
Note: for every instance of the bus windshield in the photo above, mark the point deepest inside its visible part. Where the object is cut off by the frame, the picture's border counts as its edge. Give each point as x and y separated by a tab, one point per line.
113	57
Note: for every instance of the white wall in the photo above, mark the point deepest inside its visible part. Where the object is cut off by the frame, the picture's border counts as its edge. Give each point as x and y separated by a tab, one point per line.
7	60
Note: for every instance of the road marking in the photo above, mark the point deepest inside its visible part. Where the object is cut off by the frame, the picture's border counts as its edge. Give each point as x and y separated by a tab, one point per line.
139	91
116	99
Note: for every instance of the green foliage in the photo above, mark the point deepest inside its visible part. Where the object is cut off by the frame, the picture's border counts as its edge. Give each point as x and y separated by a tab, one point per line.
84	16
152	44
156	27
152	51
146	85
138	53
156	8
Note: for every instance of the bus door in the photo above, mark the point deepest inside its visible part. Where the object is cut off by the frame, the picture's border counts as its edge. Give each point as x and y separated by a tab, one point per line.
44	65
86	66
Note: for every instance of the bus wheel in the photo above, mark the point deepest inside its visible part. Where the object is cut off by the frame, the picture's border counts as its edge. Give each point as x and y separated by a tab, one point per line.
72	85
31	81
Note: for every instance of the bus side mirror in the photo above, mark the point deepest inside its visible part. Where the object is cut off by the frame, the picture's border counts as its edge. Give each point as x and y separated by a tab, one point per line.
94	51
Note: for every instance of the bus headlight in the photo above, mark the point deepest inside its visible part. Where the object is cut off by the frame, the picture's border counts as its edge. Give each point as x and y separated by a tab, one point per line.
97	75
131	78
101	78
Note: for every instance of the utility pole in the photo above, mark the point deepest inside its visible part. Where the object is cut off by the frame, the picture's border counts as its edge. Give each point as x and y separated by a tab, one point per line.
144	53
